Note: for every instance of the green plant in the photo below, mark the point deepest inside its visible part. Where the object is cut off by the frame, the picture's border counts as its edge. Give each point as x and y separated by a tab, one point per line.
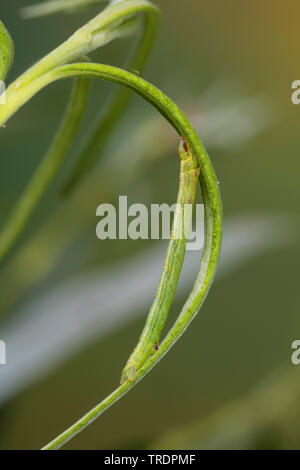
120	18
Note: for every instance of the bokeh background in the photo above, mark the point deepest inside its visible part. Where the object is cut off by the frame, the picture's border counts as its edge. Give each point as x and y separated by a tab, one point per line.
72	307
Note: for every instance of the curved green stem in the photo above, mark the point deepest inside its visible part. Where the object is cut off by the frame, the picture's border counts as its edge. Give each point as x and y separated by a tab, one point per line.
211	198
48	167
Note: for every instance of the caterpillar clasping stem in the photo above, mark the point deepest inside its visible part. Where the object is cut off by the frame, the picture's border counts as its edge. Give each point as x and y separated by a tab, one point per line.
149	339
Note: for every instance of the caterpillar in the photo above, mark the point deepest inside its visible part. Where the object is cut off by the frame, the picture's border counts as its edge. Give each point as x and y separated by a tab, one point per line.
149	339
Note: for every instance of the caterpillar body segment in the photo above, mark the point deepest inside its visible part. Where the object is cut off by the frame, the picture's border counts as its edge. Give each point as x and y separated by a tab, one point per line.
149	339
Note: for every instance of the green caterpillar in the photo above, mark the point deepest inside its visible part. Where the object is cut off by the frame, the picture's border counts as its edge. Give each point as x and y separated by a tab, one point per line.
6	51
149	339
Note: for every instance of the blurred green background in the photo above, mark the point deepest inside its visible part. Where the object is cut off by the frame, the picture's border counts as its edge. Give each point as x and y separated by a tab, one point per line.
229	382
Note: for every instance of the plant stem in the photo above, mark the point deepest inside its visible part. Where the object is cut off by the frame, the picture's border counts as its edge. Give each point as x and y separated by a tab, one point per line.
114	22
106	122
211	198
97	32
54	6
